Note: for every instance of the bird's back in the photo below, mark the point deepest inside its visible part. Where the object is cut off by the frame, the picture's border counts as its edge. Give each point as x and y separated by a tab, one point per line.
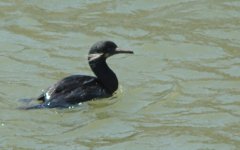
71	91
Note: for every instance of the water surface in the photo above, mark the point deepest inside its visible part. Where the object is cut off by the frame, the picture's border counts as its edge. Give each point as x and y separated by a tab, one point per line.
180	90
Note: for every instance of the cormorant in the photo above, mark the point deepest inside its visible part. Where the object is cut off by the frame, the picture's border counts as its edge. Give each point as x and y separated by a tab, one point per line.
76	89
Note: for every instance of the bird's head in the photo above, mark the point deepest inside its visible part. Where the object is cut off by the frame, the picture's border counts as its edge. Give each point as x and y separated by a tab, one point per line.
104	49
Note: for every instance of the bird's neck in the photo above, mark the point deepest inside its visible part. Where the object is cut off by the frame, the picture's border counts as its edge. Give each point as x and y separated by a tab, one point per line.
106	76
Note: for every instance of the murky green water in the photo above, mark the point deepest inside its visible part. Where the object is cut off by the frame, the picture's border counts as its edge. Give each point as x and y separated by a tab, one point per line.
181	89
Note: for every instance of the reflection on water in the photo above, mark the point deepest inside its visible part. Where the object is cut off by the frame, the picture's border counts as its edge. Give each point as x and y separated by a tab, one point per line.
179	91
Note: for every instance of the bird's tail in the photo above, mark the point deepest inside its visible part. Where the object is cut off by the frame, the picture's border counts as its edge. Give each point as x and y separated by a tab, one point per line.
26	100
29	102
38	106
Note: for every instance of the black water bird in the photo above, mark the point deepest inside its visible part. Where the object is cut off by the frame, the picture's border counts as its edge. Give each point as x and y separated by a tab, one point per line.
76	89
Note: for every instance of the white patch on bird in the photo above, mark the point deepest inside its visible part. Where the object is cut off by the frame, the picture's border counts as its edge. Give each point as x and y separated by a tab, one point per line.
47	96
48	103
92	57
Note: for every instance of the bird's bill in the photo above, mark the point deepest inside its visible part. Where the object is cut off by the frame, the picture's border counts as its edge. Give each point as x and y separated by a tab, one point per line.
119	51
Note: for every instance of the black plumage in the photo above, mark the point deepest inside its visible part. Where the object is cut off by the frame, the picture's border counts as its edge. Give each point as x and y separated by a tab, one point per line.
76	89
